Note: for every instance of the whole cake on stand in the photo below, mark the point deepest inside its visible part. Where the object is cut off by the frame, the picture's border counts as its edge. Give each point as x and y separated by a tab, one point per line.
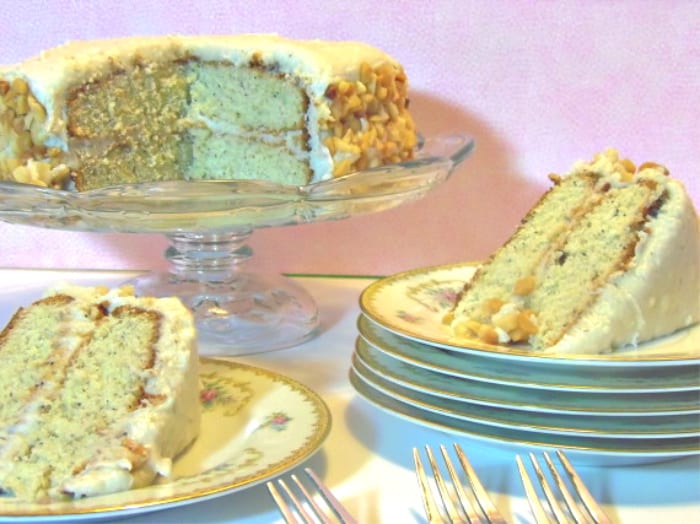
206	139
99	113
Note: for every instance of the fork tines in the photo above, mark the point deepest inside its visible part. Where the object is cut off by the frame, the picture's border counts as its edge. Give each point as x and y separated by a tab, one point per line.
579	508
304	507
454	503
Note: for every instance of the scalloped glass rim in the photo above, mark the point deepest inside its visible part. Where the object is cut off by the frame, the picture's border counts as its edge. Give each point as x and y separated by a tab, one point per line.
210	206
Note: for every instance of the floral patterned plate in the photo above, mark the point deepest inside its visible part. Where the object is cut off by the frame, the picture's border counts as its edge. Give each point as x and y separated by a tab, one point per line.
412	305
256	424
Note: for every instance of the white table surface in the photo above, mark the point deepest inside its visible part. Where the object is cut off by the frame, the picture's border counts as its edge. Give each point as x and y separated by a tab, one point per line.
366	459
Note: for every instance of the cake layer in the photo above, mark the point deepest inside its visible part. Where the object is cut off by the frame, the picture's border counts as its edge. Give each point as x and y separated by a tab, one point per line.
111	398
313	110
33	328
106	163
121	102
608	258
245	98
247	157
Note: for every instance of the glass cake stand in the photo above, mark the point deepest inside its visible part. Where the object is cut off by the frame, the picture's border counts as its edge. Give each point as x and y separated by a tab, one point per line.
208	224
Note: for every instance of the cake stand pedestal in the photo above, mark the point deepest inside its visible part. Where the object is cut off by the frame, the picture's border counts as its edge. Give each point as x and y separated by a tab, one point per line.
237	311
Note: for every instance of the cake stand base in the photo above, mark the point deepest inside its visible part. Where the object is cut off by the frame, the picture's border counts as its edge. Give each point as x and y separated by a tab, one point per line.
237	312
253	314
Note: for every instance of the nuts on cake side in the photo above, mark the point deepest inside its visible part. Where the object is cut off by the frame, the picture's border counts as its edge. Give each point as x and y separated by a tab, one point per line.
370	124
24	157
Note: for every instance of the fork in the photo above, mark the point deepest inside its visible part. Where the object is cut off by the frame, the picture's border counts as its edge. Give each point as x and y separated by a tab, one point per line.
306	505
575	512
473	506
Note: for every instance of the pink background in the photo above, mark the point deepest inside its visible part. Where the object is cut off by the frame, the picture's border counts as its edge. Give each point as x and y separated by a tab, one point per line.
538	84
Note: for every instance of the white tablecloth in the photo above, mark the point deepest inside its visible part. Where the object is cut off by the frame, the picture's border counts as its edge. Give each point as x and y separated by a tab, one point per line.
366	459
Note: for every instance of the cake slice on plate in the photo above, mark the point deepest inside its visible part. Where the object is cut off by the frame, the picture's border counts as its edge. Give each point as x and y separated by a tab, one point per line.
100	392
609	257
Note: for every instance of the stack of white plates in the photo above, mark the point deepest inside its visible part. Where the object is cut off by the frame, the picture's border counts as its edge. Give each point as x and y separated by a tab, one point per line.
642	404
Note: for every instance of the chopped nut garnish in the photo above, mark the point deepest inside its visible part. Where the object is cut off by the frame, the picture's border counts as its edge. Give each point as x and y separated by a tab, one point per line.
525	285
493	305
370	121
461	330
507	322
25	158
511	323
555	178
127	290
517	335
488	334
653	165
525	322
628	165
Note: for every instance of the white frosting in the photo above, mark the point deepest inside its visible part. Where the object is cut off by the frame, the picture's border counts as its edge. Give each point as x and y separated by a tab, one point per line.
659	293
317	60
